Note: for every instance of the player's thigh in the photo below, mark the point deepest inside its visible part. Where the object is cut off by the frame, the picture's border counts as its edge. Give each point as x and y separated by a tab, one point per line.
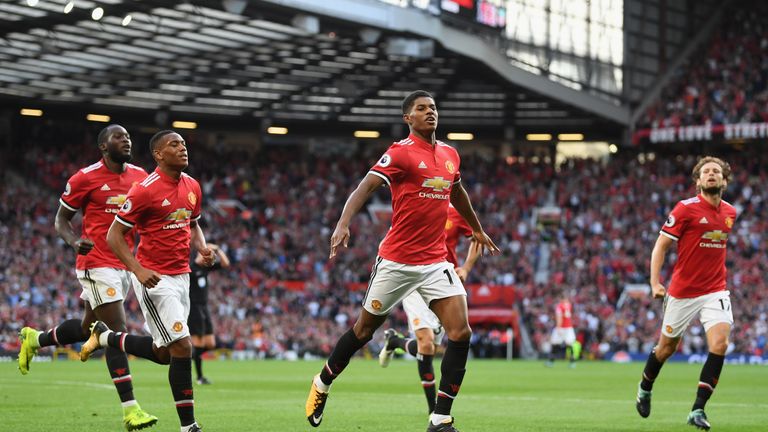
390	283
103	285
166	308
678	314
420	316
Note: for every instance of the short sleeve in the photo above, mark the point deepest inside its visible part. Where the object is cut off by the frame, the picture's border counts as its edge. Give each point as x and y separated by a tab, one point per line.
391	165
75	192
197	207
136	203
676	222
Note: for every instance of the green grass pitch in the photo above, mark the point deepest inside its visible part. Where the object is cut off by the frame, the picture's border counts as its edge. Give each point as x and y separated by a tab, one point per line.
496	396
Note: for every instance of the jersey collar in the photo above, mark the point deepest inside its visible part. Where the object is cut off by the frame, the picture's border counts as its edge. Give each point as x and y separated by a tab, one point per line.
166	177
421	142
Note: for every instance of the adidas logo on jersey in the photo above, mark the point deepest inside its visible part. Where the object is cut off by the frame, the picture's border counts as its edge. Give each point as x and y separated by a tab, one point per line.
703	220
105	187
422	165
166	203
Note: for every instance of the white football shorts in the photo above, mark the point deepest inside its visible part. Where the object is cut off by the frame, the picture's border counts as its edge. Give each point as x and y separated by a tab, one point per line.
713	308
562	335
103	285
391	282
165	308
420	316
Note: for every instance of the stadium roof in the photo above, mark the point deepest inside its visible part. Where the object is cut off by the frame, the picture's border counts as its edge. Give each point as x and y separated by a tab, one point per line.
196	59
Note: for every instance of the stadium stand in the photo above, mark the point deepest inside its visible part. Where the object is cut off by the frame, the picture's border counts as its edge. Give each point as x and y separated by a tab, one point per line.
283	299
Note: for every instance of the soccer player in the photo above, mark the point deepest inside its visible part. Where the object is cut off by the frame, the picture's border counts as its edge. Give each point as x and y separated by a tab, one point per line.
200	325
563	335
98	190
422	322
164	208
700	225
423	176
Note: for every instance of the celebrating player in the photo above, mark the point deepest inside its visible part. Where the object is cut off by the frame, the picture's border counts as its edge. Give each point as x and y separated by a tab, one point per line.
98	190
423	176
165	208
700	226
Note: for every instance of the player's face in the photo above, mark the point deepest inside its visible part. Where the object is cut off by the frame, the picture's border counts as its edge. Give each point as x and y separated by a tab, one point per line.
119	145
711	180
423	115
173	151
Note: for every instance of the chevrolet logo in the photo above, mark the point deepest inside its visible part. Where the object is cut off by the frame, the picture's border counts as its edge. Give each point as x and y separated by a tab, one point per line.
715	236
117	200
179	215
438	184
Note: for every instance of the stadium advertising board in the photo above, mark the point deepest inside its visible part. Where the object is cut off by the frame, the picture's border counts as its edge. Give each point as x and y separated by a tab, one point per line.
488	13
703	132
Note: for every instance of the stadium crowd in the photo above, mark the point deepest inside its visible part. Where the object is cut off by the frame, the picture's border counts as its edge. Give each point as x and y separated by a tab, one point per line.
611	215
726	82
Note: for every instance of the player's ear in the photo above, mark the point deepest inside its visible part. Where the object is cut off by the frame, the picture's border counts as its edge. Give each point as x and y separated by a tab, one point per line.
407	119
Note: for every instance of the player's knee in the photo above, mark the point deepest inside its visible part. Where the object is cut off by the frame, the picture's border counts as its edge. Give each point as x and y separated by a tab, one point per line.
181	348
461	334
663	352
719	346
162	354
364	333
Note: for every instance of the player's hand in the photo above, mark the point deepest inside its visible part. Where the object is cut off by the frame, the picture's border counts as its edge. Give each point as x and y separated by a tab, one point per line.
485	243
209	257
82	246
658	290
147	277
340	237
462	274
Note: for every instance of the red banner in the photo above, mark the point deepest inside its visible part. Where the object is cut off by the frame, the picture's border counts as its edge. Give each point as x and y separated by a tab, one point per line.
490	295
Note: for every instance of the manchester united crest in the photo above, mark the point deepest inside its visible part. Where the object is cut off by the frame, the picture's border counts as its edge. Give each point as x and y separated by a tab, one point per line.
192	198
111	292
450	167
448	224
178	326
729	222
376	305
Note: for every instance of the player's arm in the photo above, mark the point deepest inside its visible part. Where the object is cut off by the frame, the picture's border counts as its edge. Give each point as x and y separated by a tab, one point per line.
116	242
223	258
460	200
198	243
357	198
473	253
63	226
658	255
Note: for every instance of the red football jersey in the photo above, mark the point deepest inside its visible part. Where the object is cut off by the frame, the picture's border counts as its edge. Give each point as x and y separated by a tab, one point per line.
564	310
420	177
162	209
701	231
100	193
455	227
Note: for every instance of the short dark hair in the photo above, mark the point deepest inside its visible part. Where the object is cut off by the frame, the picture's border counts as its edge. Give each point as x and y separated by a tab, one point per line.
156	138
408	101
724	166
104	134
